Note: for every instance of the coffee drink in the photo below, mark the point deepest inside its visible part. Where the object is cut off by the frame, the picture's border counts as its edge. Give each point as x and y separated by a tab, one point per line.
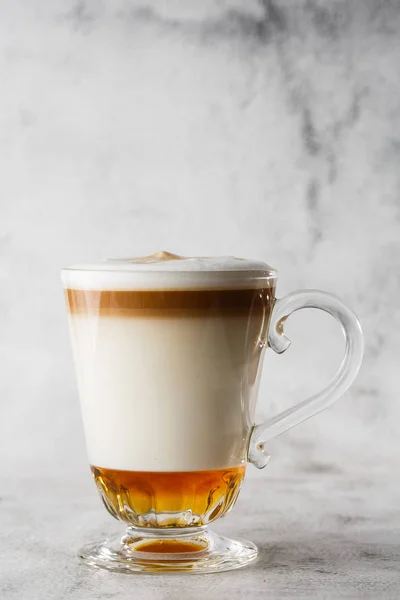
167	352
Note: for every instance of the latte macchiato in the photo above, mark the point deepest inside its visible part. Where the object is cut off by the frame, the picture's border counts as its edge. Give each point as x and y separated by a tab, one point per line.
167	353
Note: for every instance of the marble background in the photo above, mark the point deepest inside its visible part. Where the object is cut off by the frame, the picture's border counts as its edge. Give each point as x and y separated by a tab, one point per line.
265	129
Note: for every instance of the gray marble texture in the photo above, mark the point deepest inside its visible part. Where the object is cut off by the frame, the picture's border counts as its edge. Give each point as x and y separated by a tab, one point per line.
255	128
322	533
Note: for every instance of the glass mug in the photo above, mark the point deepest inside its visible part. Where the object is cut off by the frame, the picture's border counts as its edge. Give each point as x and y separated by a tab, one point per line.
168	354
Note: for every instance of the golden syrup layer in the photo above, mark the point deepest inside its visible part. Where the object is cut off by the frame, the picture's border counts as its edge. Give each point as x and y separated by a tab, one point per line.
168	499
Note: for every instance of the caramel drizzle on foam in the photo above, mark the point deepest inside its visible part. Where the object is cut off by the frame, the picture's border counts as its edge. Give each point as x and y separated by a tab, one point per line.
161	256
163	303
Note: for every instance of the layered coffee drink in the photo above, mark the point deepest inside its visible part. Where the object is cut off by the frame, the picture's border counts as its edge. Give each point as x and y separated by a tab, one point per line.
167	352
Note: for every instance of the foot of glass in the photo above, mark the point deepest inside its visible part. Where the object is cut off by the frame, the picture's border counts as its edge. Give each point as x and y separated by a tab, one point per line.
169	551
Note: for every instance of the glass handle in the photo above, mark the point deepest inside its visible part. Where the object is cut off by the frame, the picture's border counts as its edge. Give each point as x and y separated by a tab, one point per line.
279	342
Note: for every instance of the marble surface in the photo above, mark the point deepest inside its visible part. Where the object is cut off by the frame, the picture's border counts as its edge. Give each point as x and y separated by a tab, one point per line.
323	532
261	129
268	129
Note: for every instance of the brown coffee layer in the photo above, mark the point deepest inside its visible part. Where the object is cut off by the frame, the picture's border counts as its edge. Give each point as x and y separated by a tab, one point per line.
159	302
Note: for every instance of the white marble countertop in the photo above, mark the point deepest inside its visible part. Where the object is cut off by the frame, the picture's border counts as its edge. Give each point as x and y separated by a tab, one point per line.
321	533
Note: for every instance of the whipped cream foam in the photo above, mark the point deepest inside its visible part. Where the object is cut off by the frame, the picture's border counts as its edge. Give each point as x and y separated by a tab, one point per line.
164	270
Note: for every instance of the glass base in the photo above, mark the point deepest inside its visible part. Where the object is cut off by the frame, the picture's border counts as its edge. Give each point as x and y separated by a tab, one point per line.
169	551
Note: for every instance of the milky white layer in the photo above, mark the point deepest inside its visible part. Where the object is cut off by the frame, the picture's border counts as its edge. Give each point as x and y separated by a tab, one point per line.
161	272
165	394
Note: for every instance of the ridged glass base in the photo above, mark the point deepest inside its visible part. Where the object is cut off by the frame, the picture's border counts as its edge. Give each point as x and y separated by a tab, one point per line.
170	551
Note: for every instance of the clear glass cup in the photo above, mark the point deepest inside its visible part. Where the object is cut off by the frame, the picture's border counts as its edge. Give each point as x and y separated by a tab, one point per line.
168	354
